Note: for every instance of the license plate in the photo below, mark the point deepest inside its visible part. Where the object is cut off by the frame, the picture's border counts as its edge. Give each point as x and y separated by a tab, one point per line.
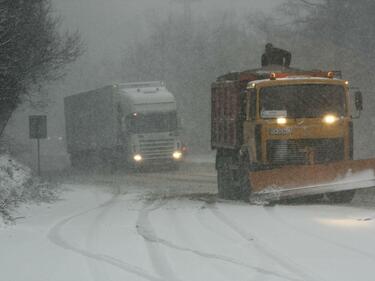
280	131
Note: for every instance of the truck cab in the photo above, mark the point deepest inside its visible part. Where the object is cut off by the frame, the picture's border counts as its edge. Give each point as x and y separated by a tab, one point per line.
149	123
298	120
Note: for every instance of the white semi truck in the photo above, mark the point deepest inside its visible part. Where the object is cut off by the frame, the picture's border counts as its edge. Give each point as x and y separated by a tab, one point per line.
129	124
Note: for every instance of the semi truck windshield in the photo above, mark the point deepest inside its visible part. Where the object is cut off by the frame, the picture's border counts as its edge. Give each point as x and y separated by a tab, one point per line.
153	122
303	101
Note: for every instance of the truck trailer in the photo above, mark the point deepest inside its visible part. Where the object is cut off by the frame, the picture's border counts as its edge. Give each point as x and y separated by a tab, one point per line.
282	133
130	124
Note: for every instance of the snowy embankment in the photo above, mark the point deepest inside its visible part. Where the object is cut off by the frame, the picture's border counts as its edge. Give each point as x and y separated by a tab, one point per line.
17	184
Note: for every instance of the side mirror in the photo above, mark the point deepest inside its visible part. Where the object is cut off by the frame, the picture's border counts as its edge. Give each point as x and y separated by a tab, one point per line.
358	101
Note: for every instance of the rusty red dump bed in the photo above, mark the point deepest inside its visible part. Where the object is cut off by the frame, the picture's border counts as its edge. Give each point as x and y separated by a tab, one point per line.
226	101
225	106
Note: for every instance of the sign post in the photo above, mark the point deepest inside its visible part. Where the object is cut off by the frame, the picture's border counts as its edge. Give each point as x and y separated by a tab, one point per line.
38	130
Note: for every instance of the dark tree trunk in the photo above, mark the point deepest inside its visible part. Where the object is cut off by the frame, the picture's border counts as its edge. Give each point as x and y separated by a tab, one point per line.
6	110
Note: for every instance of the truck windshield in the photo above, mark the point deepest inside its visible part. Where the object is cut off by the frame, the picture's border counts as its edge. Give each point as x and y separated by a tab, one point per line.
153	122
299	101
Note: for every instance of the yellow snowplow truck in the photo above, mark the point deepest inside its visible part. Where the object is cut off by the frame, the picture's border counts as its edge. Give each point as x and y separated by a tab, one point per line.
284	133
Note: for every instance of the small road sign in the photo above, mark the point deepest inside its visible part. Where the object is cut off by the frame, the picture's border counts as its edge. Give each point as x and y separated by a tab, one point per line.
38	126
38	130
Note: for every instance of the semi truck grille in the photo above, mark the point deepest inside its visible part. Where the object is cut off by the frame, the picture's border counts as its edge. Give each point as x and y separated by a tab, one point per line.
296	151
156	149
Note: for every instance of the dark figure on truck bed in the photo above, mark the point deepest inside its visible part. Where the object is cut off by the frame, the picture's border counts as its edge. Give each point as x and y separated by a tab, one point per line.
276	56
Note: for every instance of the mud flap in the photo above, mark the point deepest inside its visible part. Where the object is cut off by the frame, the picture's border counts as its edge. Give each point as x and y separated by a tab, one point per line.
299	181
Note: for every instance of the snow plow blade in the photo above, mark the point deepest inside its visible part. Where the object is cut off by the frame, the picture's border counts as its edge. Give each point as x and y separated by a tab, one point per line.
299	181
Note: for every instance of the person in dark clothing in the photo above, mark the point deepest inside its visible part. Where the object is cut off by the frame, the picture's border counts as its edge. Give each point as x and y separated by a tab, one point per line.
276	56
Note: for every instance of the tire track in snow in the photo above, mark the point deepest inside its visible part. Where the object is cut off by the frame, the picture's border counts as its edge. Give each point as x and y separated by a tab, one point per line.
279	258
145	229
199	214
156	253
98	273
55	237
257	274
282	221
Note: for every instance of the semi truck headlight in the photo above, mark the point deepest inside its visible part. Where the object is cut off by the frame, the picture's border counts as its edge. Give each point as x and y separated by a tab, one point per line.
281	120
177	155
137	158
330	119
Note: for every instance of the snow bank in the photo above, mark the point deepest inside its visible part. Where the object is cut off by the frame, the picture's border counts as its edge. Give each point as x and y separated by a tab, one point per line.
13	178
17	184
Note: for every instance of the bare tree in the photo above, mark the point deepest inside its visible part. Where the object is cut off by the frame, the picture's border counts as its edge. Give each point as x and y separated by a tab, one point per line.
32	50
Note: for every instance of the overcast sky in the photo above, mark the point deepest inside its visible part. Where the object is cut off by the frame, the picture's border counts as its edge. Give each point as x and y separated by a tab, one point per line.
107	25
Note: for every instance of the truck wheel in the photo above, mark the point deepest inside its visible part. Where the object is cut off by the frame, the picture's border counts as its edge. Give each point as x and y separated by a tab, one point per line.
233	177
244	187
341	197
222	183
226	186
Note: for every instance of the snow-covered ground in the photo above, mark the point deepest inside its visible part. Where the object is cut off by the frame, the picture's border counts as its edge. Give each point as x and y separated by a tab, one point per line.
146	227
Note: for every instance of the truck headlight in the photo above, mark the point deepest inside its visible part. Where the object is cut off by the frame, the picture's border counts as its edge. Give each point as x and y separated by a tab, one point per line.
177	155
281	120
137	158
330	119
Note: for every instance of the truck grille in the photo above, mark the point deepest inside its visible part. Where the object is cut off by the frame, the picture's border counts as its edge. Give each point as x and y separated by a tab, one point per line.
157	149
295	151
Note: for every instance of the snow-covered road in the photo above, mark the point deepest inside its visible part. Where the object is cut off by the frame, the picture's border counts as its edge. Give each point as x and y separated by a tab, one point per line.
151	227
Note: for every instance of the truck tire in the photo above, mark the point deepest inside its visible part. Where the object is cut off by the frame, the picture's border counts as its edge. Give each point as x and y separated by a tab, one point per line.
224	184
243	181
224	179
341	197
220	183
233	177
